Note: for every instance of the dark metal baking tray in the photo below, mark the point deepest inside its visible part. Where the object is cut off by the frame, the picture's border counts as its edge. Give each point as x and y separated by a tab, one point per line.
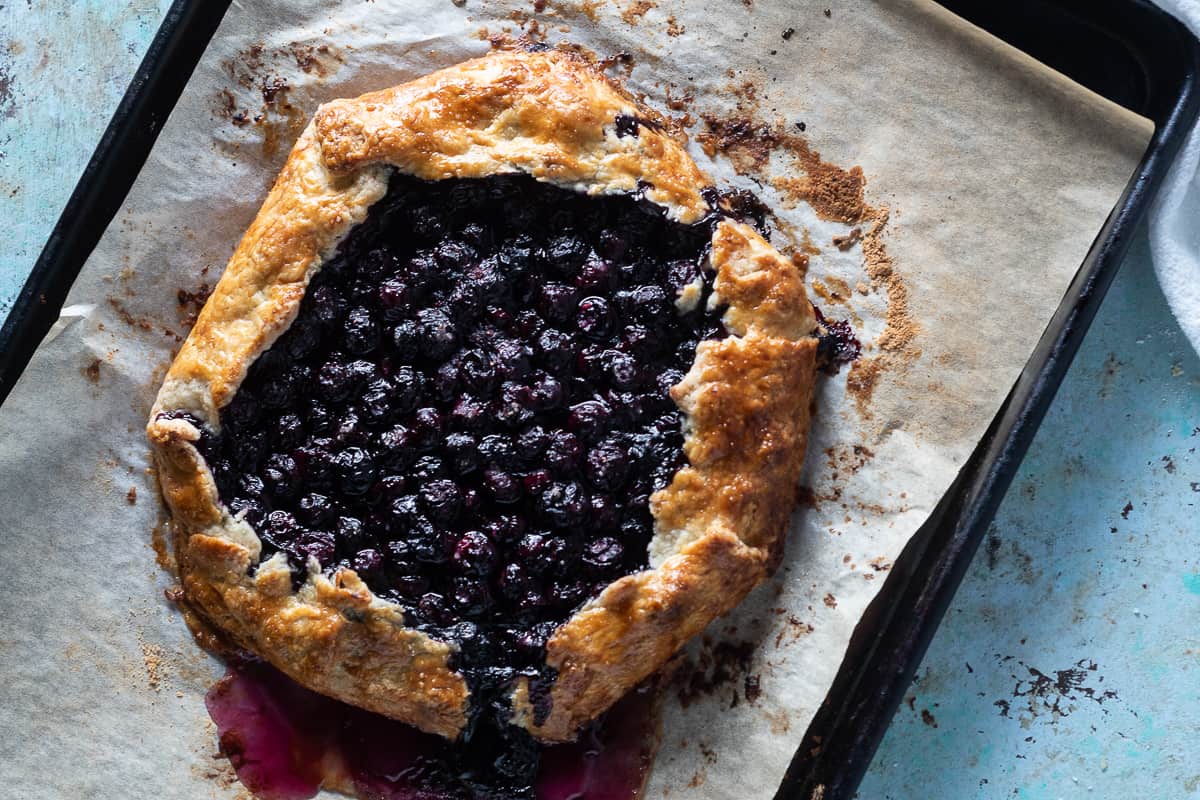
1134	54
111	171
1126	50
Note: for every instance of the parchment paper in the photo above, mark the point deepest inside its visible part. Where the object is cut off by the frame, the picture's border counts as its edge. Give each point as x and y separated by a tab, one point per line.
997	174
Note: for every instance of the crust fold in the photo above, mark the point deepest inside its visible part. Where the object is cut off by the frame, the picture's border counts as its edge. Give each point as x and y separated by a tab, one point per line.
334	636
550	115
635	626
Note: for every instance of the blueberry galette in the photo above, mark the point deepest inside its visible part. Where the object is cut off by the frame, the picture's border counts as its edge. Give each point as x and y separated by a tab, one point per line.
495	406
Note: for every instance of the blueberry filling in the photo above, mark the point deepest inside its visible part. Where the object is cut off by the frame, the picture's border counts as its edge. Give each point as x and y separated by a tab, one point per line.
471	407
471	411
837	343
627	125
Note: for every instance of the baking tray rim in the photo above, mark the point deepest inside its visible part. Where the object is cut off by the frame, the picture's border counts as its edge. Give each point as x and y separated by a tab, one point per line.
961	516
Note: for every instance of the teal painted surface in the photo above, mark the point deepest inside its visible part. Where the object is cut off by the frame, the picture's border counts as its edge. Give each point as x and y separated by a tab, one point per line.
1069	663
64	66
1067	666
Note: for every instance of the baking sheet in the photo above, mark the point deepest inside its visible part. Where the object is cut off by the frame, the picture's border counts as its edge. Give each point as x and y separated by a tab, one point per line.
995	173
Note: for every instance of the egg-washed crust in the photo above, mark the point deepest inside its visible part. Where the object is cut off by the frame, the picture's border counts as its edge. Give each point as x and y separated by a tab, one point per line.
718	526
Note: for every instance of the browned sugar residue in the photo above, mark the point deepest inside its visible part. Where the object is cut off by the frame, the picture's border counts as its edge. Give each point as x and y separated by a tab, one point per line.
128	318
847	459
141	323
152	658
162	549
701	774
190	303
793	629
719	668
532	35
519	16
801	261
842	462
832	290
319	60
847	241
589	8
213	767
273	87
861	381
835	193
131	496
252	66
622	61
900	330
896	345
194	297
225	105
261	74
829	600
633	13
673	27
205	635
243	66
679	102
807	245
745	91
281	130
92	371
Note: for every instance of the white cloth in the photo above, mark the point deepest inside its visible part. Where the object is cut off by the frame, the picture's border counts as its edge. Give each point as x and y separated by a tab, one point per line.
1175	215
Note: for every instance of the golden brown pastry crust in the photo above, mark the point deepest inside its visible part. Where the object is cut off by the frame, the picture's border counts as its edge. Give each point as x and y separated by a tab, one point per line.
745	399
549	115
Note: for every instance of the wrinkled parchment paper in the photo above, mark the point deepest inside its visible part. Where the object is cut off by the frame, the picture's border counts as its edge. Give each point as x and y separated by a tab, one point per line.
997	174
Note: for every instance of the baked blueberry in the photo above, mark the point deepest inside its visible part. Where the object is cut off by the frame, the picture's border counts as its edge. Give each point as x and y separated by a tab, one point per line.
437	336
441	424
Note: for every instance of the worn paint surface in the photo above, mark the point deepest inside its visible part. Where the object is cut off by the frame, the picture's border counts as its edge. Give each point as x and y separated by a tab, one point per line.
64	65
1066	666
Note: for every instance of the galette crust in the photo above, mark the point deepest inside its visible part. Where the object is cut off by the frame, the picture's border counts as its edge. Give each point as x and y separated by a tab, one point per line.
719	525
550	115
